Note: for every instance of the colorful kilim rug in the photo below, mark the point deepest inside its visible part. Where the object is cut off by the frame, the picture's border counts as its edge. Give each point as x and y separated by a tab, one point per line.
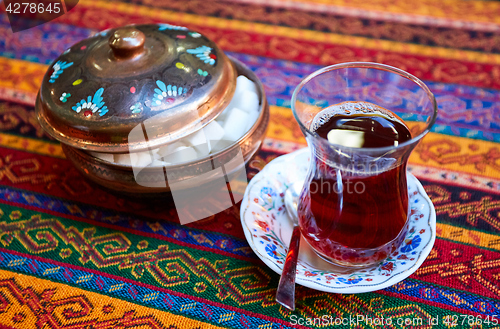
73	255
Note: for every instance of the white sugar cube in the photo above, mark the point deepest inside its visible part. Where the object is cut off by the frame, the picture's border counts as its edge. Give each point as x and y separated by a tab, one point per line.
220	145
243	86
199	142
349	138
252	118
156	156
180	155
103	156
123	159
235	124
234	103
141	159
213	131
243	83
223	115
248	101
169	148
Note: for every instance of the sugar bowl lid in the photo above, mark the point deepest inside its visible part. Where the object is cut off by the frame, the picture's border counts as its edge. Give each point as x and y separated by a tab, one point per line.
159	81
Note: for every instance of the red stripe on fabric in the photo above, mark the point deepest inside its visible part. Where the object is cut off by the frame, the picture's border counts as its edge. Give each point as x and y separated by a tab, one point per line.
462	267
3	326
59	178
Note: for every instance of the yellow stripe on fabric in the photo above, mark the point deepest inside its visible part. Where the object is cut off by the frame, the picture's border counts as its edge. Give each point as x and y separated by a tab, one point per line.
33	303
443	151
462	235
306	35
282	126
471	11
21	75
458	153
31	145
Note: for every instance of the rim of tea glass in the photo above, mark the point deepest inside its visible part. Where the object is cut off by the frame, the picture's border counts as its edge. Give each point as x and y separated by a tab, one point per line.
377	66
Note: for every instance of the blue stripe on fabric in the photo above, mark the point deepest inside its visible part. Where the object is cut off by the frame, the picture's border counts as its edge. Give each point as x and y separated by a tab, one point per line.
441	295
40	44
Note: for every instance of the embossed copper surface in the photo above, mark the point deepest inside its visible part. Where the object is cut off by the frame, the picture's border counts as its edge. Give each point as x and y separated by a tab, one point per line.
168	79
121	178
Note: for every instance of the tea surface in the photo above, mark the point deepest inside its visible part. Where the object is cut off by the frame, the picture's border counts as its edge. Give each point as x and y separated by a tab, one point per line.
377	127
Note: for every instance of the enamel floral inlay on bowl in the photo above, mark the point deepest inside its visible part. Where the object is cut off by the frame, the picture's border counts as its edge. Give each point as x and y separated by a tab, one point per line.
101	88
268	231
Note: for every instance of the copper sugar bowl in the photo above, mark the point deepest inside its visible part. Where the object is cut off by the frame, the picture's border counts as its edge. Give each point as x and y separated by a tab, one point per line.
127	91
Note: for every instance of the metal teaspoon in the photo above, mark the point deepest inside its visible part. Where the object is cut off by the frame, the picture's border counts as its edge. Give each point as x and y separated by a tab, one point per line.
285	295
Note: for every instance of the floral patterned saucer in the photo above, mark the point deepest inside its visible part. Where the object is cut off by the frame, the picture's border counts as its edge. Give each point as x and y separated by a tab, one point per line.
268	230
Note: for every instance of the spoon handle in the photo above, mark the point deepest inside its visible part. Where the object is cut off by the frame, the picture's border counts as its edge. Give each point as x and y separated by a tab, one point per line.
286	287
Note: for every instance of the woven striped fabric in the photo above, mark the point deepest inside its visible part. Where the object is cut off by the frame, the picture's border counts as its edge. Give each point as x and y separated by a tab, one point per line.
73	255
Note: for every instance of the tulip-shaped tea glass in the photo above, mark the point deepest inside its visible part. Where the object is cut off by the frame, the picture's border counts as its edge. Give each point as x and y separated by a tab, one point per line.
361	122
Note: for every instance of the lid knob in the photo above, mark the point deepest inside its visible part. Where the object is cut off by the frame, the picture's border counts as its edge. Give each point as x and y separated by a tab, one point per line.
127	42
